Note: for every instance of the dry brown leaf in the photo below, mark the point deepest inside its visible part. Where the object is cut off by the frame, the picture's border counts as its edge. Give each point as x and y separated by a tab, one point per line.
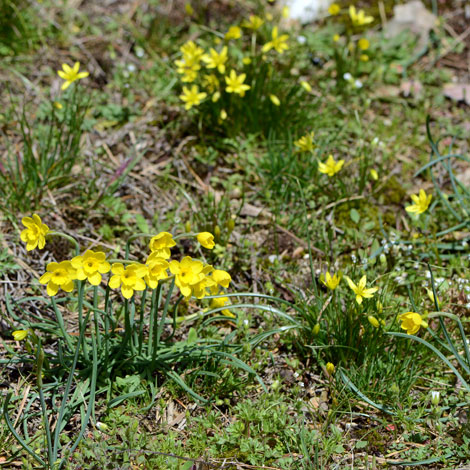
457	92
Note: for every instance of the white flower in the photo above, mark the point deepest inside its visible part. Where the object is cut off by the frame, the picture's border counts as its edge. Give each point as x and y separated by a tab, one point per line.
301	39
348	77
358	84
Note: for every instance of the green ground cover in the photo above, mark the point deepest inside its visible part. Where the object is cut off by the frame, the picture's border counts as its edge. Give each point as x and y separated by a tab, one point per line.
232	241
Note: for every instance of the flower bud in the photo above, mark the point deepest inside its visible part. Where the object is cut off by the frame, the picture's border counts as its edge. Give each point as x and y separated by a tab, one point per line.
330	368
373	321
187	226
230	224
383	259
316	329
435	396
217	231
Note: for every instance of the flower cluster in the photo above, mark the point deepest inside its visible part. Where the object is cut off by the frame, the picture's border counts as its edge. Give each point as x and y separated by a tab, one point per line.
192	276
220	70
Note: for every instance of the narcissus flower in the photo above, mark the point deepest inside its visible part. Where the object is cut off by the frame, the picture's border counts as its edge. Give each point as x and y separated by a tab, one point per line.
359	18
234	32
360	289
279	43
90	266
254	22
235	83
20	335
161	244
35	232
222	278
129	278
206	239
330	281
59	275
192	97
334	9
331	167
305	143
216	60
157	267
421	202
222	302
188	273
411	322
71	74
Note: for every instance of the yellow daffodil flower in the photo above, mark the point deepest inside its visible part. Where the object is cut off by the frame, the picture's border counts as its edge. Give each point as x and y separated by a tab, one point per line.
19	335
363	44
305	143
254	22
157	267
187	273
234	32
216	60
90	266
221	278
59	275
192	97
411	322
331	167
279	43
161	244
235	83
334	9
275	100
359	18
222	302
421	202
206	239
360	289
35	232
129	278
71	74
330	281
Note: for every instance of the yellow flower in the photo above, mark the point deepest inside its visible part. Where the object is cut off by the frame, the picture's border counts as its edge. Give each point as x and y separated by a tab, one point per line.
246	60
306	86
216	60
277	42
235	83
411	322
161	244
223	115
305	143
336	37
216	97
364	58
157	267
90	266
35	232
329	281
57	105
221	278
359	18
421	202
192	97
275	100
254	22
330	368
363	44
191	52
70	74
58	275
374	175
234	32
222	302
187	273
189	9
334	9
360	289
20	335
206	239
285	12
331	167
373	321
129	278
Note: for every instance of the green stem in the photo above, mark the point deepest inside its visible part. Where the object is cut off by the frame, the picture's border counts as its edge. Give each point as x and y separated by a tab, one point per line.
60	321
72	240
81	326
95	316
